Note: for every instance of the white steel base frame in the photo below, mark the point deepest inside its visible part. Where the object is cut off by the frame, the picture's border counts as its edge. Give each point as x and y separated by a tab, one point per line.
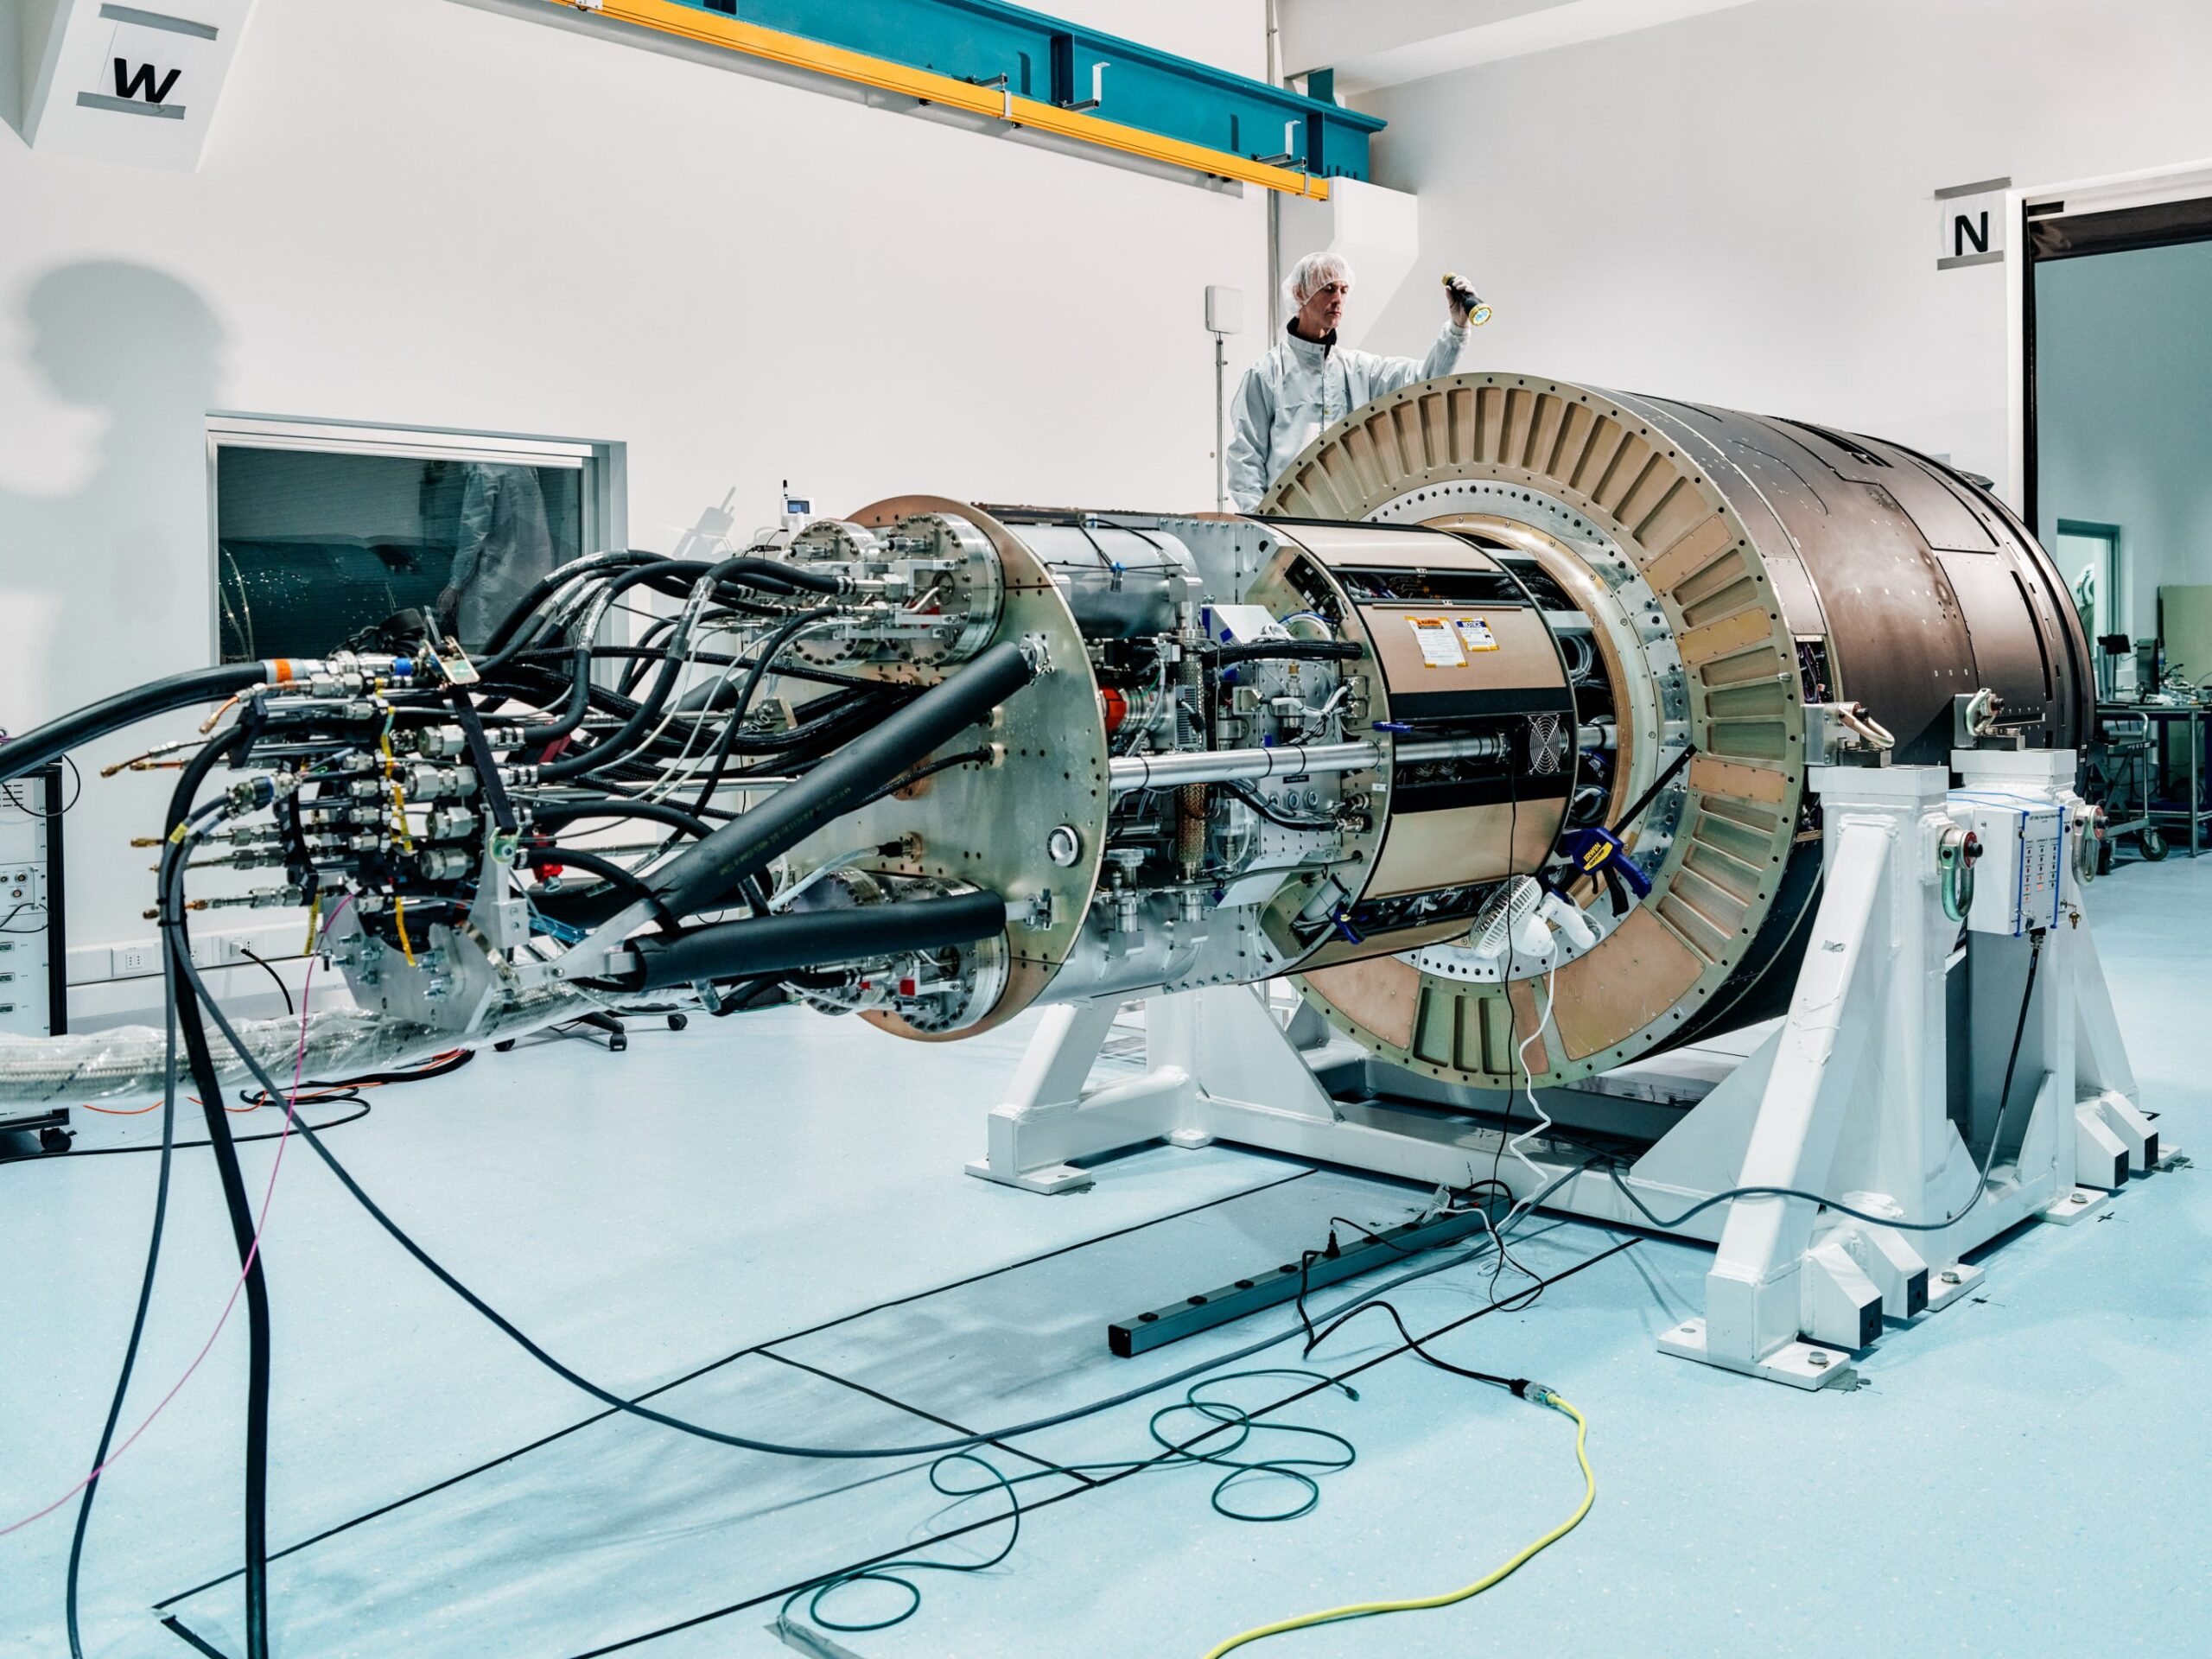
1848	1097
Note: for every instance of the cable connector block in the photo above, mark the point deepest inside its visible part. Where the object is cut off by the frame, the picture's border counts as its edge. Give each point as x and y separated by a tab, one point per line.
252	794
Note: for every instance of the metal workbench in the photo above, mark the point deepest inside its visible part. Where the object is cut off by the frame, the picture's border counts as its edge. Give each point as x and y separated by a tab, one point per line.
2193	811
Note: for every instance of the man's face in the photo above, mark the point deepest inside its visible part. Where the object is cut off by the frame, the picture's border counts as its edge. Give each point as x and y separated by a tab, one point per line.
1324	309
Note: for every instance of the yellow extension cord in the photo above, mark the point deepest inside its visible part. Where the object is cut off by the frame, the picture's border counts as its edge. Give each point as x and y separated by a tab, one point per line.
1366	1609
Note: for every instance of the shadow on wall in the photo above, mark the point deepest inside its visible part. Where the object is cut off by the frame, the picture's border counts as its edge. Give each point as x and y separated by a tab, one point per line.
108	587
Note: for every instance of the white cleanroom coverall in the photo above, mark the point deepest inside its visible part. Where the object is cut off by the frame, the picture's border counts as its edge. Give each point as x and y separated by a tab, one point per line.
503	546
1302	387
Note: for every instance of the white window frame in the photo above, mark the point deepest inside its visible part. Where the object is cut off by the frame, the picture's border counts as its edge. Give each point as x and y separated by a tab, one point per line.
604	519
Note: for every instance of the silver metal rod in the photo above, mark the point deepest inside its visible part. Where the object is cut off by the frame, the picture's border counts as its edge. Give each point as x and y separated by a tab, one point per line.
1287	761
1452	748
1221	423
1225	765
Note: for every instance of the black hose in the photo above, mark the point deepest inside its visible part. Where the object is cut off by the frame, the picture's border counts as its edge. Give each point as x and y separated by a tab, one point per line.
1287	650
644	654
621	571
509	636
715	659
789	940
579	703
604	868
172	867
979	756
612	747
850	707
547	818
537	682
42	744
177	942
704	874
797	576
766	654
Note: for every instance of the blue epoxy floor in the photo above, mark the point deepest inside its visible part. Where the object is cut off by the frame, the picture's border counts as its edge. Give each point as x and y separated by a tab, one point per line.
784	1195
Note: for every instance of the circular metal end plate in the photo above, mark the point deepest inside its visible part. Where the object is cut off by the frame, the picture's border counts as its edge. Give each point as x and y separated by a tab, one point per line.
992	825
1614	479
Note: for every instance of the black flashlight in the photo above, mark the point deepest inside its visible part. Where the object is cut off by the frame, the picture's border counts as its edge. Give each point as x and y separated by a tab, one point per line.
1470	302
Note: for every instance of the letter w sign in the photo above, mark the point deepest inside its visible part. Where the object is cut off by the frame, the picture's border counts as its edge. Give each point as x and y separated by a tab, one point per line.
137	80
146	69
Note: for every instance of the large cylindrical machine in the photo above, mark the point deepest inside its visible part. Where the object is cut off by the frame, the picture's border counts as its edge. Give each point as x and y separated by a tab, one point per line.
1492	727
1338	738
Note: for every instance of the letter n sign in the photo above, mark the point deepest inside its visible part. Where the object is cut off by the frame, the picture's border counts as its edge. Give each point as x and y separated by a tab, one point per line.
145	70
1970	224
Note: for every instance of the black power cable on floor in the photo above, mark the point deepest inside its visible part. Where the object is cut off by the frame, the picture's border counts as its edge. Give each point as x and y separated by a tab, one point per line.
766	1348
701	1431
1519	1300
344	1099
966	1443
137	1318
1669	1223
176	942
1334	1380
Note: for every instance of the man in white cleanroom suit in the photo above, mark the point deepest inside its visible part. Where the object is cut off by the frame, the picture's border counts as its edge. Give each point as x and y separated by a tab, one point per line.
502	548
1307	382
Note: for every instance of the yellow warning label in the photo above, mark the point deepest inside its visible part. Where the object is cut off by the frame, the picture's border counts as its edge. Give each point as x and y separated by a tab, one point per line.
1474	633
1440	645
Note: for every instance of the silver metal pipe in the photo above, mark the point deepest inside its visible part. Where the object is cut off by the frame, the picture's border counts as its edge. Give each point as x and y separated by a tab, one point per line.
1137	772
1227	765
1452	748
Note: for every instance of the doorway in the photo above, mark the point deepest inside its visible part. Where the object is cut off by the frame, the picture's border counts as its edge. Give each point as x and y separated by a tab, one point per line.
2093	560
2118	427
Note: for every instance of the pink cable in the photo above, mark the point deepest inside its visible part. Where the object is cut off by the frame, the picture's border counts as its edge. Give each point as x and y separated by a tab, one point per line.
253	1250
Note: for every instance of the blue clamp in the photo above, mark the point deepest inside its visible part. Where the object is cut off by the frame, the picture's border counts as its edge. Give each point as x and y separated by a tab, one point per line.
1341	921
1398	727
1597	851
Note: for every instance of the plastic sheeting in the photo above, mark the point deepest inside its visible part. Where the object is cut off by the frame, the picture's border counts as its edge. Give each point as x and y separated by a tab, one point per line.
130	1060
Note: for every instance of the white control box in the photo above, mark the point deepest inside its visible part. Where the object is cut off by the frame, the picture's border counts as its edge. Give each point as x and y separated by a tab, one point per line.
1224	310
2019	882
27	937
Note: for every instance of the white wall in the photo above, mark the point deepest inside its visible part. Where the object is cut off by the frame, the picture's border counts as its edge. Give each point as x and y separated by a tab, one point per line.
1324	34
2124	409
419	211
1735	208
1389	42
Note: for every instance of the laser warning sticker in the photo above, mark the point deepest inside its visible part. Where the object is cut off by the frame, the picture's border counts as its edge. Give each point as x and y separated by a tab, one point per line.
1440	645
1474	633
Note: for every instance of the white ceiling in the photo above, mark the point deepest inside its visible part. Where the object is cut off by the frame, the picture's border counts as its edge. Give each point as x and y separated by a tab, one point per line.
1385	42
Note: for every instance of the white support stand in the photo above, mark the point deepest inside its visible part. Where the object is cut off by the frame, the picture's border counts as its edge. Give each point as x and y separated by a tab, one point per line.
1850	1098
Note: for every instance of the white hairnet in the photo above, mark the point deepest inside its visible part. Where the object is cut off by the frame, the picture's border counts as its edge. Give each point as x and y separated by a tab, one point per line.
1313	272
